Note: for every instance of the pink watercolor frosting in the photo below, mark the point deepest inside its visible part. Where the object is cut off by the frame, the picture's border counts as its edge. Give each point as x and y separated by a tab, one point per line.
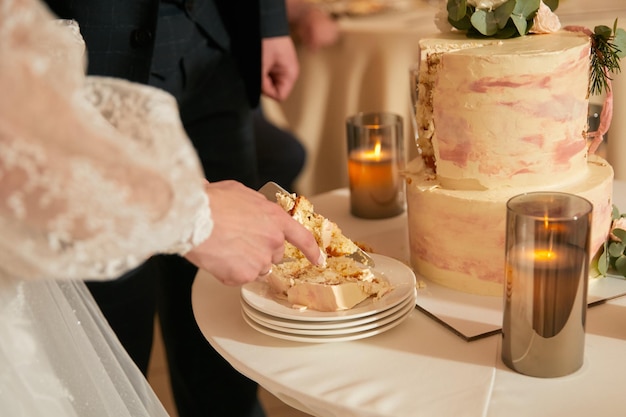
498	118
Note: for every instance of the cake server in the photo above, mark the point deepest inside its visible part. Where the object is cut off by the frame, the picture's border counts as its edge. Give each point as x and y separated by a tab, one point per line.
270	189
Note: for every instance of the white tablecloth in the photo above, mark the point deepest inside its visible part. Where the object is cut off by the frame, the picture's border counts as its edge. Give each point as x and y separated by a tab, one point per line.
419	368
367	70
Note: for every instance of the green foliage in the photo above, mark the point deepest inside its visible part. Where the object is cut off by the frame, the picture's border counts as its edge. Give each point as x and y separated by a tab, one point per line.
511	19
457	9
608	45
523	14
503	13
612	256
620	42
620	265
485	22
515	18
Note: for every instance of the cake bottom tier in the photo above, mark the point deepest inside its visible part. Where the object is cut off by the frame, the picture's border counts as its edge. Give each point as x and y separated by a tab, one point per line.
457	237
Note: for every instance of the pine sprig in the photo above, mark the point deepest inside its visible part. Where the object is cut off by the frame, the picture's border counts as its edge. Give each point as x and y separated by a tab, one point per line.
607	47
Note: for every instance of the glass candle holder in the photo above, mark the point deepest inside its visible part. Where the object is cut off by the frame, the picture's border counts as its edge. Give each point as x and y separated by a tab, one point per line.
375	163
545	292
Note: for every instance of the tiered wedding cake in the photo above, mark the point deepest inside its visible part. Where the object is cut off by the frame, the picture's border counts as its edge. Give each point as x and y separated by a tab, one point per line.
497	118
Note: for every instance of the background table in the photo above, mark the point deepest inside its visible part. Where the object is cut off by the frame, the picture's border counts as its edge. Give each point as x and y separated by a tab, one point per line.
367	70
418	368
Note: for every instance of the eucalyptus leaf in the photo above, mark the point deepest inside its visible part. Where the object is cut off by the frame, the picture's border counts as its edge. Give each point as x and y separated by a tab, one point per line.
526	8
509	31
520	24
463	24
615	213
603	263
620	233
503	12
616	249
485	22
457	9
620	265
620	42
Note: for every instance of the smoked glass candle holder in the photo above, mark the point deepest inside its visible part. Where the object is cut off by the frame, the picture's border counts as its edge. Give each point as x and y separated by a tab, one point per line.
545	291
375	164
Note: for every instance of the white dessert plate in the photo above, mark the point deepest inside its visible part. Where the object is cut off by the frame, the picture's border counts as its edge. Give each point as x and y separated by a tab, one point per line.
272	321
329	338
260	296
328	327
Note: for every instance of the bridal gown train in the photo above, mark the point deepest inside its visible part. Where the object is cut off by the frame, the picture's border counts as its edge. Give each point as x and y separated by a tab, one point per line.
96	175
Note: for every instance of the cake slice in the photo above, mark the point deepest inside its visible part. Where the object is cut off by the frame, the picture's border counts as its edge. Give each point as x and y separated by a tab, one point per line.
328	235
340	284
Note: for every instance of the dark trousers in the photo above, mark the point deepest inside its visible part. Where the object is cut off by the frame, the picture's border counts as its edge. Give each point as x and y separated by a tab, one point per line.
204	383
218	120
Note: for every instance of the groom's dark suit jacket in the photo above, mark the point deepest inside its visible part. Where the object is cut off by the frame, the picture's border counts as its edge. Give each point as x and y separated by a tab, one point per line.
120	34
207	53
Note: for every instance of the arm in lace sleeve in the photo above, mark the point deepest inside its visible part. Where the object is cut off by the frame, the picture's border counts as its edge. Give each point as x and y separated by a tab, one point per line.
96	174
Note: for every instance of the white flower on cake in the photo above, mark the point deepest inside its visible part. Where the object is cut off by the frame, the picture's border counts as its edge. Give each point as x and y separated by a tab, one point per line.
545	21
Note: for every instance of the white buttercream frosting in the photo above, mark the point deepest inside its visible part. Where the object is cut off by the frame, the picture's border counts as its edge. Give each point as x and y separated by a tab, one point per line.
496	118
457	236
504	113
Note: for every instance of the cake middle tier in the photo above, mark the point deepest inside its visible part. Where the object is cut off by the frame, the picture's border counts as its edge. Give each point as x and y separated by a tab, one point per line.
457	237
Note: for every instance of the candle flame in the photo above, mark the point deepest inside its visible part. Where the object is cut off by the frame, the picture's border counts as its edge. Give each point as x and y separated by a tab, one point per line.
377	149
545	254
375	153
551	229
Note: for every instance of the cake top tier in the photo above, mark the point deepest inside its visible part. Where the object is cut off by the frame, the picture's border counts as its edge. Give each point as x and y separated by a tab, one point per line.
504	113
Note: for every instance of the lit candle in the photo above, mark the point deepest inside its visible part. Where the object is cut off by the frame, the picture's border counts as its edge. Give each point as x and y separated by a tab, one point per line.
374	183
375	160
553	278
546	275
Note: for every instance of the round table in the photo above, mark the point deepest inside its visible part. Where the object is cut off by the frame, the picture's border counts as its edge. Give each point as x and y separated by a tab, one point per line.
419	368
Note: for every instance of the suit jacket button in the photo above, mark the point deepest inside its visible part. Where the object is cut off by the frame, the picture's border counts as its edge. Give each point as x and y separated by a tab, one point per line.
189	5
140	38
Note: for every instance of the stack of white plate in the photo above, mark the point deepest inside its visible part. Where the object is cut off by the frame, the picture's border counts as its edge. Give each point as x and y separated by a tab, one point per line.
270	315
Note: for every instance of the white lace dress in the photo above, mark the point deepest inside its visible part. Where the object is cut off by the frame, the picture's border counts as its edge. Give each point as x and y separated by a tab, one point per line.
96	175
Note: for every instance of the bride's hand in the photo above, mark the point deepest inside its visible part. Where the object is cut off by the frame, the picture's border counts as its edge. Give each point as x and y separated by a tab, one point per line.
248	235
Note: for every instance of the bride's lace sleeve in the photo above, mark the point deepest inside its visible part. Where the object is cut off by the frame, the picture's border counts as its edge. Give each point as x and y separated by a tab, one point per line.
96	174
